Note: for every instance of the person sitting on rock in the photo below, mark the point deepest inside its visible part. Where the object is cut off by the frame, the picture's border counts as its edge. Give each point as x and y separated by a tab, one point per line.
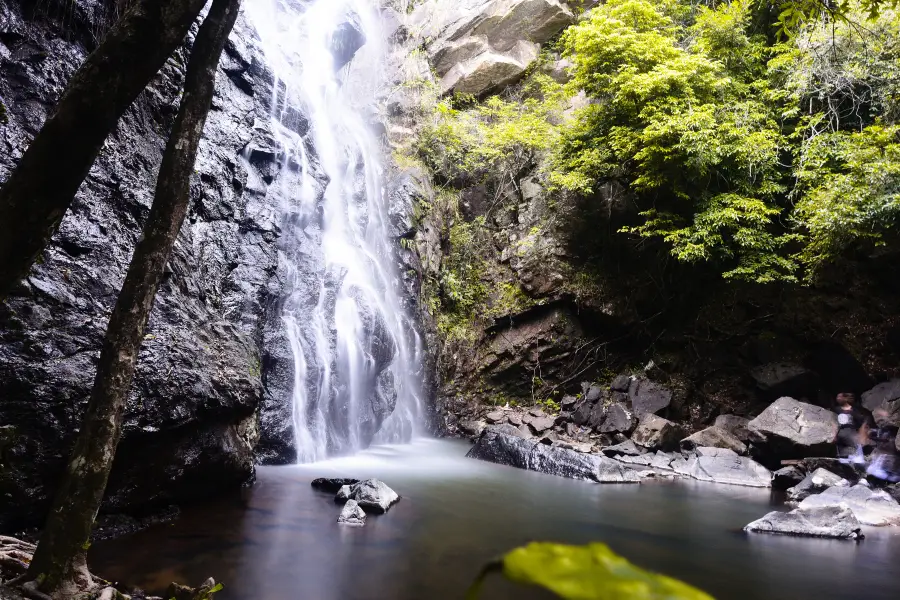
854	424
885	461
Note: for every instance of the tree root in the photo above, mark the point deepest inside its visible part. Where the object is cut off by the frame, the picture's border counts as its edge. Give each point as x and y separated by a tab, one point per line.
15	557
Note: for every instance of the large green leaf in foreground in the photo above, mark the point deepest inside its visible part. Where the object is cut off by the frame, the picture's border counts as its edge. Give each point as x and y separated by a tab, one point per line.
592	572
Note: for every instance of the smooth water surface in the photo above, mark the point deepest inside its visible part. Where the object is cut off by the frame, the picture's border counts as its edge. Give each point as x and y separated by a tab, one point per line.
281	541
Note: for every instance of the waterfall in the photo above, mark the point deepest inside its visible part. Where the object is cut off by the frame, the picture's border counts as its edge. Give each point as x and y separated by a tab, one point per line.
357	356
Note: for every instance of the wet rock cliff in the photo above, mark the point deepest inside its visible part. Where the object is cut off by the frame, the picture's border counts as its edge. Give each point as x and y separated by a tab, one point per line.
192	419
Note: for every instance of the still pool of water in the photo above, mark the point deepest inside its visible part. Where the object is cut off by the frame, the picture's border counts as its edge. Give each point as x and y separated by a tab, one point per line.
280	540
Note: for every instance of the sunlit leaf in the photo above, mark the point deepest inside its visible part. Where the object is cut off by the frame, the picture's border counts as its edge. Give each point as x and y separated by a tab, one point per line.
592	572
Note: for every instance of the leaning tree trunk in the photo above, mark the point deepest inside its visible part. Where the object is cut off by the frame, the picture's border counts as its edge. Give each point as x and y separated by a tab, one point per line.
39	190
59	564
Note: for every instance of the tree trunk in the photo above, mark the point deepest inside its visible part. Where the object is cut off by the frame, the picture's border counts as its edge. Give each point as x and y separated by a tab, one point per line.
60	561
39	190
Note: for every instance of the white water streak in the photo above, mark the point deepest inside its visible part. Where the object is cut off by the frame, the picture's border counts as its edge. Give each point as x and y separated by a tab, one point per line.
340	326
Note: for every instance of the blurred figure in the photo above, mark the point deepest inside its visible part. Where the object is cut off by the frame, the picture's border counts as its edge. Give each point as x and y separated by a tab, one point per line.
885	461
854	425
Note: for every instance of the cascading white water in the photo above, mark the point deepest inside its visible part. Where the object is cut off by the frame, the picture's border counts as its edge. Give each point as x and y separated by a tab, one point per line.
357	359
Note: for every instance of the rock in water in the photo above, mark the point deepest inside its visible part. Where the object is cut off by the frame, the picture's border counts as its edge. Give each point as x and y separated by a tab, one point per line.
372	495
332	484
494	446
714	437
828	521
352	514
720	465
815	483
870	507
796	429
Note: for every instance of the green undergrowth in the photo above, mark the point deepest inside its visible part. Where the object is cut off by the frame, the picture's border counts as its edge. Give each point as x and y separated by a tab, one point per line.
764	157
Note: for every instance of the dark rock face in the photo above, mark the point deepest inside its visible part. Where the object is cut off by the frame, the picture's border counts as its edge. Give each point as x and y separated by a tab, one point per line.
648	397
494	446
332	485
785	379
192	417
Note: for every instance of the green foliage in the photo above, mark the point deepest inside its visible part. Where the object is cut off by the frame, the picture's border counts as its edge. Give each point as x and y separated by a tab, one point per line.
592	572
763	160
497	136
4	117
849	186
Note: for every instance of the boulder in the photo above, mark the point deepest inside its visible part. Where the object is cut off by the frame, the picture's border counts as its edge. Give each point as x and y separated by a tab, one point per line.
568	403
786	477
775	380
815	483
828	521
515	418
594	393
720	465
495	416
796	429
489	70
621	383
663	460
582	413
881	394
472	429
500	448
737	426
656	433
352	514
835	465
372	495
870	507
628	448
884	396
715	437
597	416
893	491
618	420
332	484
648	397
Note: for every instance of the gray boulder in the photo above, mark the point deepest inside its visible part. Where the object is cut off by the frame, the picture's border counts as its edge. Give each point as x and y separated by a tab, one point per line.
714	437
500	448
775	380
737	426
720	465
481	45
648	397
794	428
870	507
815	483
656	433
829	521
495	416
787	477
372	495
884	396
618	419
627	448
352	514
621	383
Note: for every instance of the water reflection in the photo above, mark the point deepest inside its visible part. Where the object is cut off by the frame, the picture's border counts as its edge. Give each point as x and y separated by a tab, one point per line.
281	541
